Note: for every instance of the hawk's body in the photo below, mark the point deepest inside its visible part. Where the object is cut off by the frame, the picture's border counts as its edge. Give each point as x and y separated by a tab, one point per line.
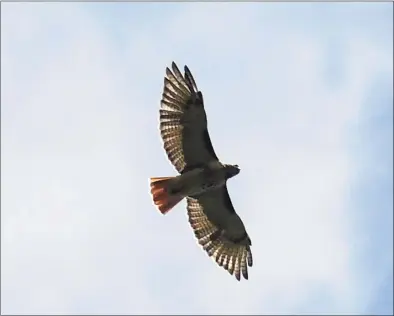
198	180
202	178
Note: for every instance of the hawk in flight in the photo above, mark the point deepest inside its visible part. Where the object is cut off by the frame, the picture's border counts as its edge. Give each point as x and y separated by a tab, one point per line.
202	177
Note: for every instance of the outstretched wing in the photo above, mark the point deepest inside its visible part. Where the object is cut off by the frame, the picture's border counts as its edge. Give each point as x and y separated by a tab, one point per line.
230	249
183	122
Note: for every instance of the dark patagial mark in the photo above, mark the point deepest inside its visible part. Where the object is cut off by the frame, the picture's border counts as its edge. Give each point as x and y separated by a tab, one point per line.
208	143
192	167
227	201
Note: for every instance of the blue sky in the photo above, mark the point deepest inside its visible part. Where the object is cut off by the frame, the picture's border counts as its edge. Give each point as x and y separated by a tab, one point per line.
299	95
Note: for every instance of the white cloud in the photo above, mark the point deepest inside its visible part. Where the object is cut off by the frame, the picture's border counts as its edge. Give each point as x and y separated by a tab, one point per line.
79	117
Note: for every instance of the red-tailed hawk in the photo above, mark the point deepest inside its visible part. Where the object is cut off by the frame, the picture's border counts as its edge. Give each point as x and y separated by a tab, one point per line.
202	179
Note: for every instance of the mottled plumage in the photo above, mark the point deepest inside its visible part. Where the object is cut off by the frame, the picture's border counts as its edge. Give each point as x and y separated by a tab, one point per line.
202	179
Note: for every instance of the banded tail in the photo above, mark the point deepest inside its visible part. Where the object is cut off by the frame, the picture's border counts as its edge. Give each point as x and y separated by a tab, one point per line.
164	201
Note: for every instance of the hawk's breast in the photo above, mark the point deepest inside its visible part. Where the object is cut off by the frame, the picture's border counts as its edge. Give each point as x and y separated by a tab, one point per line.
200	180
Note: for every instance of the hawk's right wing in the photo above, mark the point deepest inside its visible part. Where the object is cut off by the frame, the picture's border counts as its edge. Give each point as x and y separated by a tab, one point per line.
183	122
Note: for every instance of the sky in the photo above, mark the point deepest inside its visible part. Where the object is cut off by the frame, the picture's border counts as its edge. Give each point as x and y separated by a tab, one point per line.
299	95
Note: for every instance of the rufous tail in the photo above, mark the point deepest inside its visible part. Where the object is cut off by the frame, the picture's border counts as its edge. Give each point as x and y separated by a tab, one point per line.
164	201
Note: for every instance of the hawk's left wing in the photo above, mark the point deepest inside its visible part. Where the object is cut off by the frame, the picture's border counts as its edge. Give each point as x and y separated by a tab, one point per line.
233	255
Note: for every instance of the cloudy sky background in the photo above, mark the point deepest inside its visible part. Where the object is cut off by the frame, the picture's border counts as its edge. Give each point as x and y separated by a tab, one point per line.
299	95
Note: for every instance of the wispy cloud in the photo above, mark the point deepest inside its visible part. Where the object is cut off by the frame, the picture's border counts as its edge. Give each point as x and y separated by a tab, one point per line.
286	89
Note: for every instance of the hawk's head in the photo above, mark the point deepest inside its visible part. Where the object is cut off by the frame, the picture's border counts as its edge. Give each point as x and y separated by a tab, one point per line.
231	171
